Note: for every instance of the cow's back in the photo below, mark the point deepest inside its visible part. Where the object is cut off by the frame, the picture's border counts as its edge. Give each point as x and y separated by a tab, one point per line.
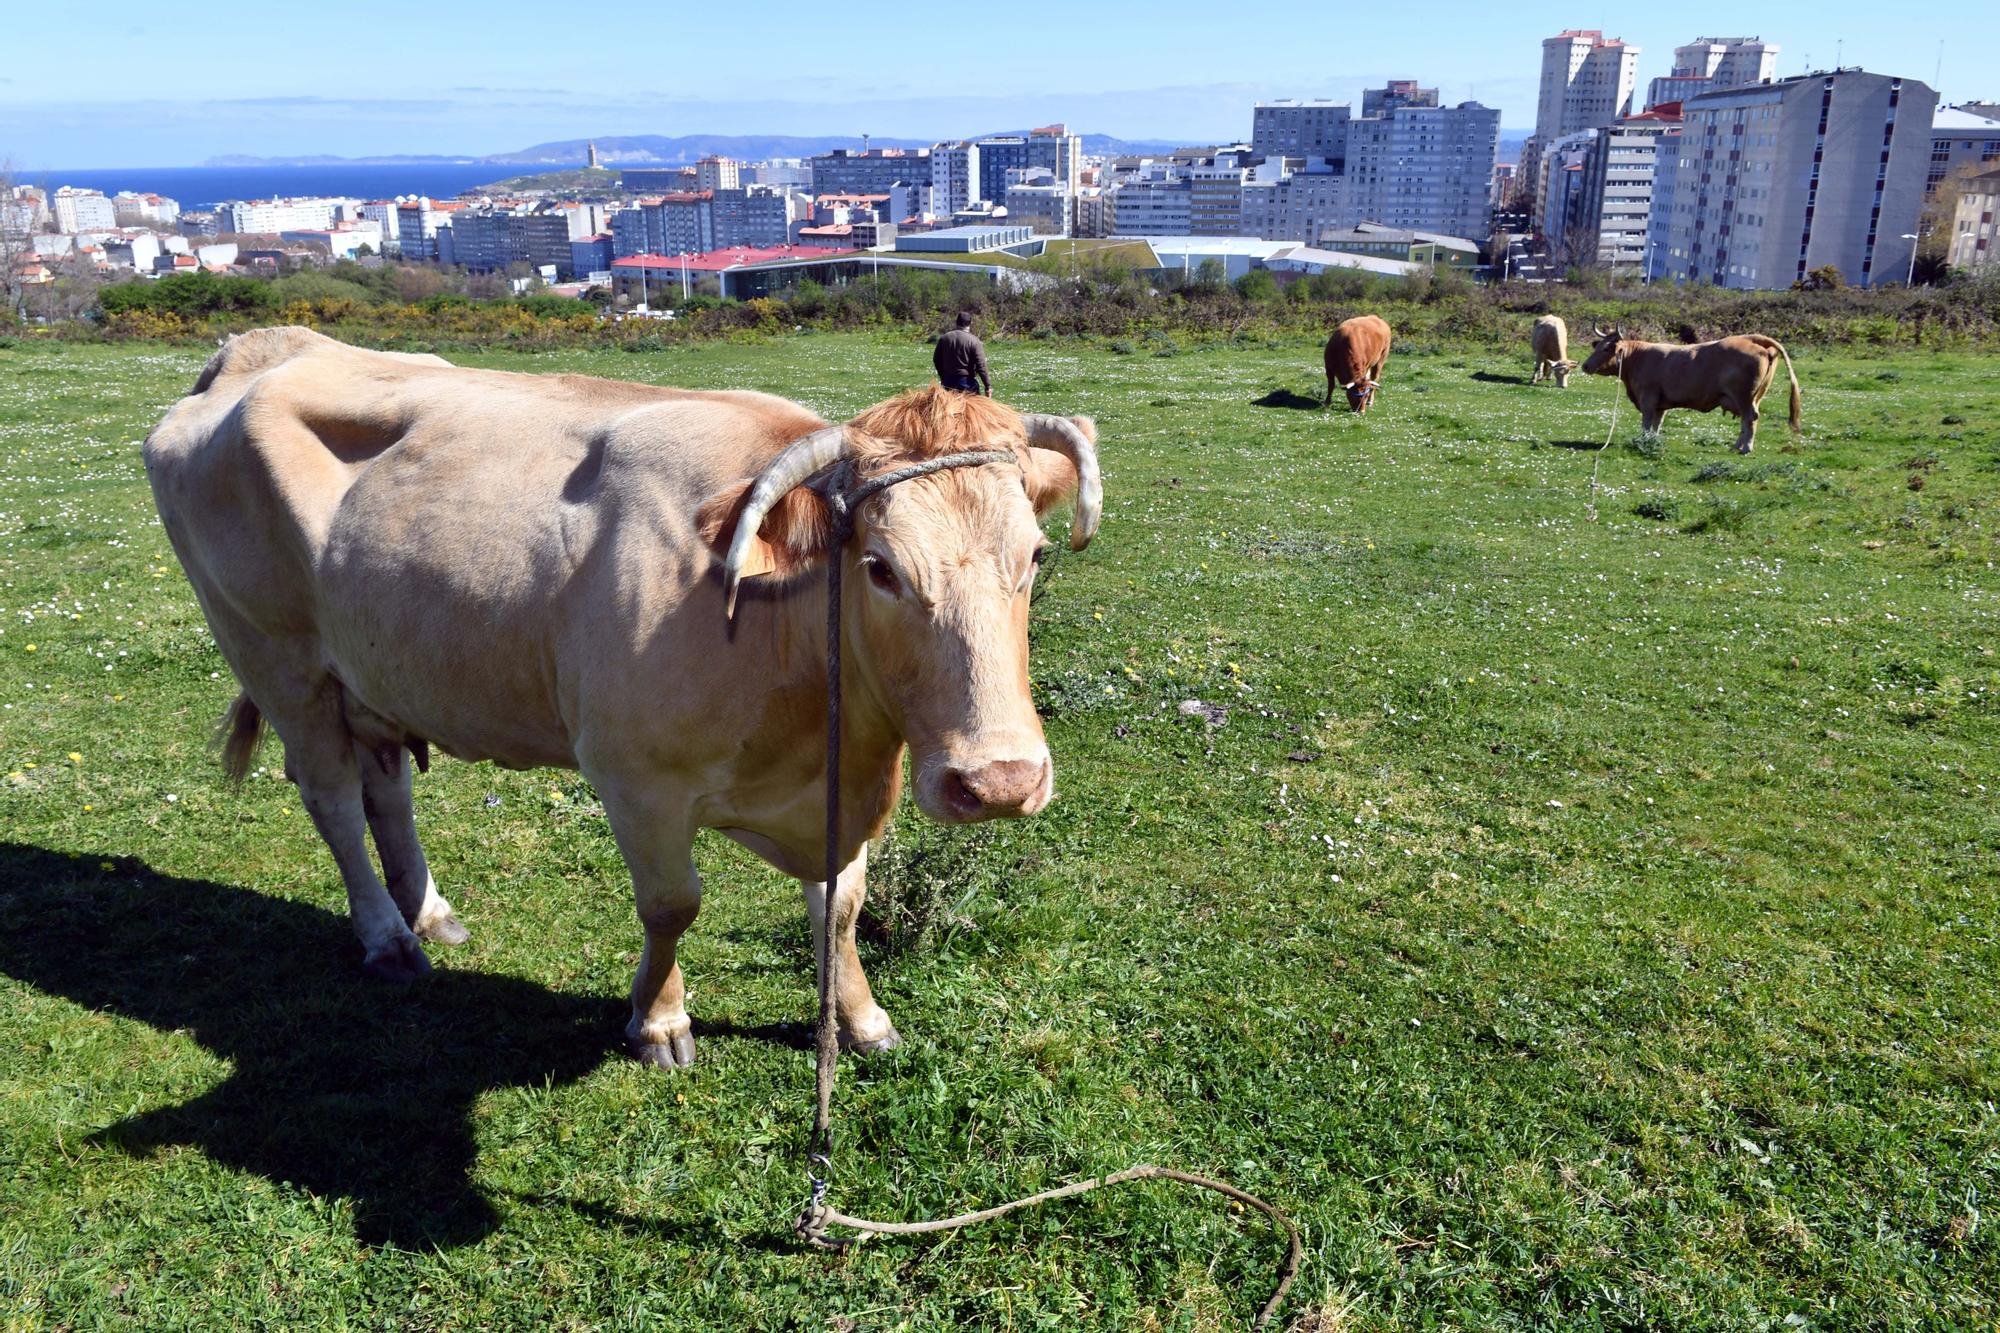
1551	338
418	529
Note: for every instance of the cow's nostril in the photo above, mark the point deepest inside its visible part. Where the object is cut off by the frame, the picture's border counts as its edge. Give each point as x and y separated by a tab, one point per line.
958	795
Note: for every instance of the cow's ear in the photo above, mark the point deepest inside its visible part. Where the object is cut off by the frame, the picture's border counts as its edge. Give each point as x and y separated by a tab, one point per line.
1050	476
797	531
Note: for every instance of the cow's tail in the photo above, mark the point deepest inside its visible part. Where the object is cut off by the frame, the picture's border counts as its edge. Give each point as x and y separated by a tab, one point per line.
239	734
1790	374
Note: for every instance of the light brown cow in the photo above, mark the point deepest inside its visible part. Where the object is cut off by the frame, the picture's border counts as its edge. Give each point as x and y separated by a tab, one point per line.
1551	343
1730	373
393	552
1355	355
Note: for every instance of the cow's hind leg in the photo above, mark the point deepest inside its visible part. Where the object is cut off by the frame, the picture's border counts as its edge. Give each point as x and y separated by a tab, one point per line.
320	757
864	1026
1747	437
386	799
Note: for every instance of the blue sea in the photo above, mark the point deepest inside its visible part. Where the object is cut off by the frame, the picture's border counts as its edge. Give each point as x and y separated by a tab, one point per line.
203	187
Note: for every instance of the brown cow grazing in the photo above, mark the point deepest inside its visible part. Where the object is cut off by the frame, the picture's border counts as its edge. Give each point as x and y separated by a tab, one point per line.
395	553
1551	343
1729	373
1355	355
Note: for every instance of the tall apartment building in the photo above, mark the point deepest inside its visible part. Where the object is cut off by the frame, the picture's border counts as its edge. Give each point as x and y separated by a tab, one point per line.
1148	208
1052	147
82	210
1775	180
1562	205
1049	208
1587	83
1975	235
1297	208
144	210
1398	92
716	173
752	217
1960	138
1215	200
664	179
954	175
1668	154
1710	64
844	171
786	173
272	216
1291	128
1425	168
485	242
417	223
628	230
1618	186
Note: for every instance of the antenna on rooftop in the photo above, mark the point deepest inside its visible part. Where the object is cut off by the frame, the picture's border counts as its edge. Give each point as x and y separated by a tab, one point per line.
1937	74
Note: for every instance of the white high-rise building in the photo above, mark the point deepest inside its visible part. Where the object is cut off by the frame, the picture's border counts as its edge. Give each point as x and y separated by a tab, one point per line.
1587	82
954	176
83	210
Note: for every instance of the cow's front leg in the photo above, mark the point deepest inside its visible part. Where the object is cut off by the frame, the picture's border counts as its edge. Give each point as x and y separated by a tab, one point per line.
656	844
864	1026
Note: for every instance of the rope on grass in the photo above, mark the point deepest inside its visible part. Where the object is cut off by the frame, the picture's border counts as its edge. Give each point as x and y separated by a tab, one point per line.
1611	430
843	497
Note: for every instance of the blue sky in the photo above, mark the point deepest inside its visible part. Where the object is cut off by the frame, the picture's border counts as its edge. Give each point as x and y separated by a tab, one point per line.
152	85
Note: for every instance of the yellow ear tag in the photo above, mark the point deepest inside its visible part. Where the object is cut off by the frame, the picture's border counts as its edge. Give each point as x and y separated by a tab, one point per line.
758	560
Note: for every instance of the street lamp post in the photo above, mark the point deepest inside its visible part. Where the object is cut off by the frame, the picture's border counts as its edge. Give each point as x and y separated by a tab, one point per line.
1910	278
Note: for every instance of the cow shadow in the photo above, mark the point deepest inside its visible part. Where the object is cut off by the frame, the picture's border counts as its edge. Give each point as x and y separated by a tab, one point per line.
1286	398
337	1085
1581	446
1488	377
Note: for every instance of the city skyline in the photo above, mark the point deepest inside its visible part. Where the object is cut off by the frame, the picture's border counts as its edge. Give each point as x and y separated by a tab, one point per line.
1111	71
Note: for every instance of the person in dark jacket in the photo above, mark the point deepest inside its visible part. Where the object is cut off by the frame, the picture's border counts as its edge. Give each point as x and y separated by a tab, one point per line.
960	360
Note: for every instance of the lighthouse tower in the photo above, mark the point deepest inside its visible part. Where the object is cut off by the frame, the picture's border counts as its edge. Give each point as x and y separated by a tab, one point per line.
593	155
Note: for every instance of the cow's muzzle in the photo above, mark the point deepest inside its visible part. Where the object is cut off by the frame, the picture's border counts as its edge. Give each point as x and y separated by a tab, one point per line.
999	790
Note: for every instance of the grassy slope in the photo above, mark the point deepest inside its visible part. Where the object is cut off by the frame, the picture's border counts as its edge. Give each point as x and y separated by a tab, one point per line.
1575	924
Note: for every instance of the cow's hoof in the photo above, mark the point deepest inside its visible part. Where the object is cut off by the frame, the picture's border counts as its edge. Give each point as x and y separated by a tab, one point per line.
888	1041
444	929
400	962
677	1052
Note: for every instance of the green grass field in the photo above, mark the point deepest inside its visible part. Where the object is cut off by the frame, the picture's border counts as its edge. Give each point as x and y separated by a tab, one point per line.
1575	924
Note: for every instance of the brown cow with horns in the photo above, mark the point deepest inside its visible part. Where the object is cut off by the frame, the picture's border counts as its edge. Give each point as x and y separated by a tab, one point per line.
1730	373
533	569
1355	355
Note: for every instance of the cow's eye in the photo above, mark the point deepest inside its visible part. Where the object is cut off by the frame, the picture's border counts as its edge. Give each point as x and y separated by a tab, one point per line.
1028	575
881	575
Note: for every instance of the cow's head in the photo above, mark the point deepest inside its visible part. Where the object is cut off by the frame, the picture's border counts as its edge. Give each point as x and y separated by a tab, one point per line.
1562	369
1606	353
936	577
1360	394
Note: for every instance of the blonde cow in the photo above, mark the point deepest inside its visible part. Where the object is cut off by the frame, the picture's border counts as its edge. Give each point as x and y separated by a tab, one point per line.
394	553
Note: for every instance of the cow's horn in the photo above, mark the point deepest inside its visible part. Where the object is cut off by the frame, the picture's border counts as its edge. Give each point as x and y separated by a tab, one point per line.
800	460
1049	431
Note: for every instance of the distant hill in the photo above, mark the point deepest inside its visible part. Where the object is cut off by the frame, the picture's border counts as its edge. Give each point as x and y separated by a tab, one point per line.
659	150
